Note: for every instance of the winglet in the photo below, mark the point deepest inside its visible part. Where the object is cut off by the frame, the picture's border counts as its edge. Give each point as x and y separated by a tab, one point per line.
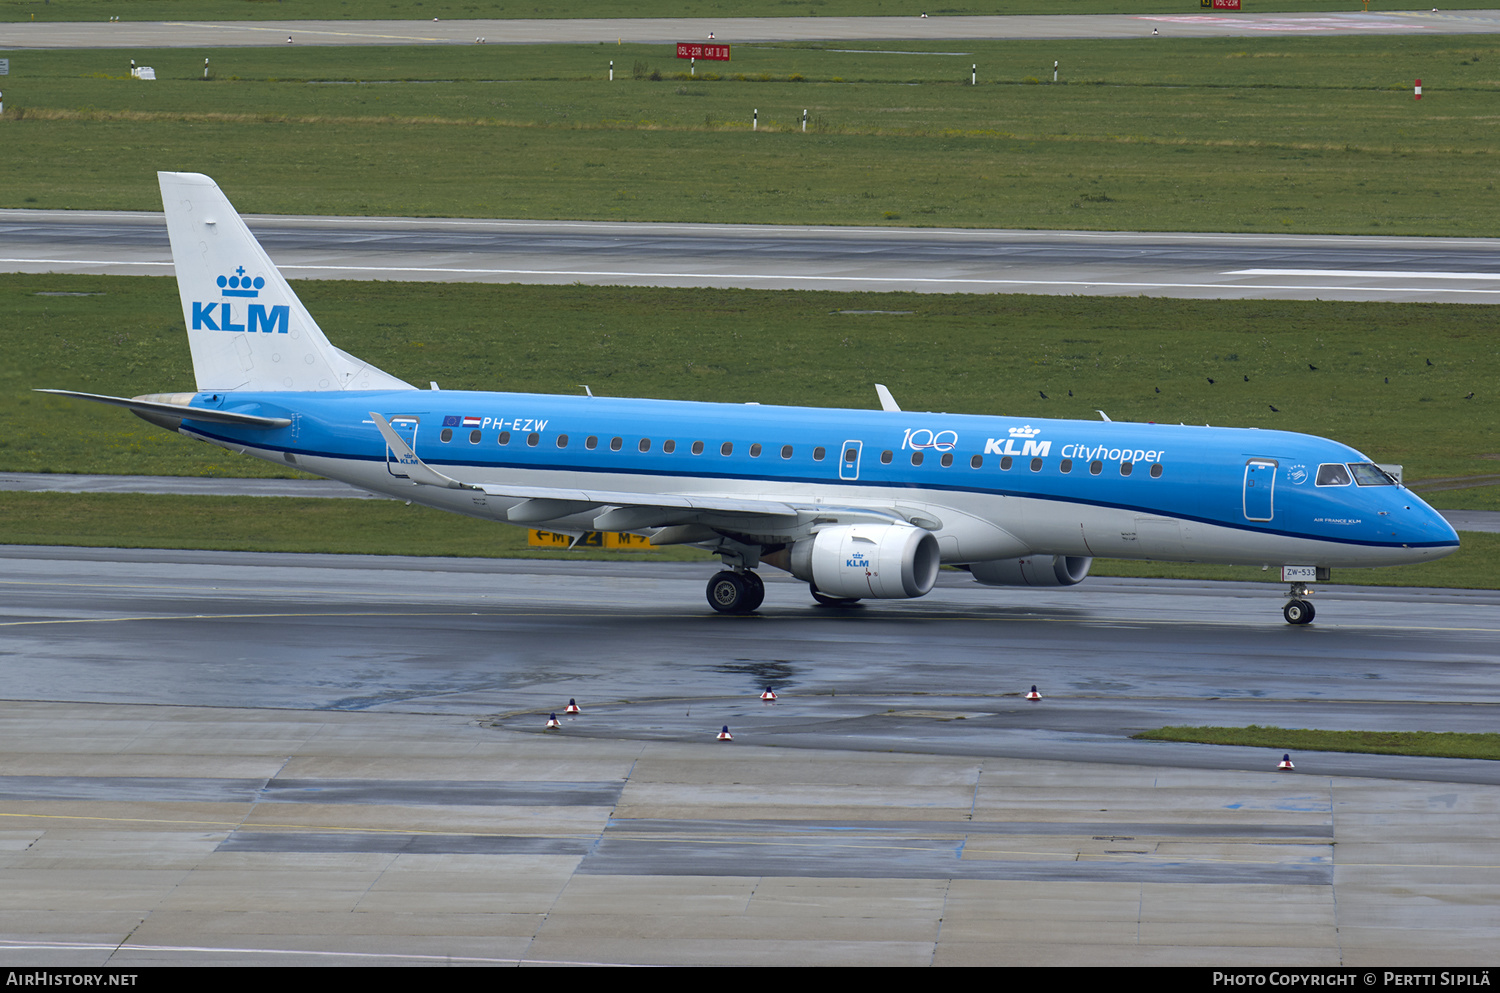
416	470
887	402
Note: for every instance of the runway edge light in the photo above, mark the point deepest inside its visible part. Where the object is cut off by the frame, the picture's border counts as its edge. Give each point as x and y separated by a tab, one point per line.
768	695
1033	695
724	735
572	707
553	724
1285	765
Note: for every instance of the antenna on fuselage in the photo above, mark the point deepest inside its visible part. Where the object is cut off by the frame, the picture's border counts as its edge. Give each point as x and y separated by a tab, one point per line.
1103	415
586	389
887	402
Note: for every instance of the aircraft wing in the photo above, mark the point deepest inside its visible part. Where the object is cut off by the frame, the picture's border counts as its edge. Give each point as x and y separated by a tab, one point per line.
632	510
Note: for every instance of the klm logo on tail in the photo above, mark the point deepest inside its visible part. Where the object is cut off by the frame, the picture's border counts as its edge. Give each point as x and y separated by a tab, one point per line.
219	315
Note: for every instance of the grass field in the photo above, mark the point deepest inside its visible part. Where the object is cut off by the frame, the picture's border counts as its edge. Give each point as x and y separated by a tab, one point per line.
986	354
238	10
1259	134
1429	743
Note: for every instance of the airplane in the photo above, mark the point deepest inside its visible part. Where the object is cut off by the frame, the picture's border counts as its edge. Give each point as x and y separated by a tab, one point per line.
859	504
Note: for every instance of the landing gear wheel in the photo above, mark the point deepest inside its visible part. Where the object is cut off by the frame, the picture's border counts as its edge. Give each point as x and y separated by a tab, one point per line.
730	593
755	590
824	600
1298	612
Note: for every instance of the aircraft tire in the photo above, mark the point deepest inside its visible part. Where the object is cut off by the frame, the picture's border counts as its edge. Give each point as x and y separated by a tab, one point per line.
728	593
755	590
1298	612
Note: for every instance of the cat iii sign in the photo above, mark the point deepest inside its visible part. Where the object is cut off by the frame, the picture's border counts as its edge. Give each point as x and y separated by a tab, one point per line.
1219	4
691	50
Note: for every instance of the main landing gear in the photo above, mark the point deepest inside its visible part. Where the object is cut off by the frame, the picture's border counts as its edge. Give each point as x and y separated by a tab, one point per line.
732	592
1298	609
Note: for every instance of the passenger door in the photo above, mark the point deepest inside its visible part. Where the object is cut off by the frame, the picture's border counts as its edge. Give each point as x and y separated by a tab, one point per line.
1260	489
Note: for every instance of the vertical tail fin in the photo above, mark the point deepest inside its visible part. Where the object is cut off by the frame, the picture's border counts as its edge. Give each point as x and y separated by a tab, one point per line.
246	328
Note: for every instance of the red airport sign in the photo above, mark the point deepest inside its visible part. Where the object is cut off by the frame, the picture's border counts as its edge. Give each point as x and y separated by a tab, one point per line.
716	53
1220	4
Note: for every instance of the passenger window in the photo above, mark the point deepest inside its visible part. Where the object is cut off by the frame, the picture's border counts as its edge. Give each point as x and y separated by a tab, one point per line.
947	458
615	444
786	451
562	441
727	448
1333	474
504	438
916	458
532	439
755	450
669	446
474	437
1096	467
697	448
977	461
1156	470
591	442
818	454
1006	462
885	457
1126	467
447	435
1036	465
1066	465
645	444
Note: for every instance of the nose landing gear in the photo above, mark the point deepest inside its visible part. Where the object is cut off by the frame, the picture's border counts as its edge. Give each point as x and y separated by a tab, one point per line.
1298	609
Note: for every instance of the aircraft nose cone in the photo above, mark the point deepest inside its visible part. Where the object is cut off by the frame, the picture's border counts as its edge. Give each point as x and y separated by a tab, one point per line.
1425	526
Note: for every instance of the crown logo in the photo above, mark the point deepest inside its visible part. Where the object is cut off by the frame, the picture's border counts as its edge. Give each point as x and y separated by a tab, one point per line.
240	285
1025	432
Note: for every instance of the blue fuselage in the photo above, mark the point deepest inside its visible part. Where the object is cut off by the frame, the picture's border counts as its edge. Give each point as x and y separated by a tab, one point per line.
1062	487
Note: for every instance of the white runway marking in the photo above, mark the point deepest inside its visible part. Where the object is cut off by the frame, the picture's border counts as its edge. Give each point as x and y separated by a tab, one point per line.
742	278
1365	273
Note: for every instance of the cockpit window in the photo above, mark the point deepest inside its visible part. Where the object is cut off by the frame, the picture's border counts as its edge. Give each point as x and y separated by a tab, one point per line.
1333	474
1370	474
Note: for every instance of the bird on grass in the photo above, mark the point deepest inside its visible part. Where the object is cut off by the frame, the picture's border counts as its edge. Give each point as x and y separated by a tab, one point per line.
1312	367
1210	380
1274	408
1042	395
1469	397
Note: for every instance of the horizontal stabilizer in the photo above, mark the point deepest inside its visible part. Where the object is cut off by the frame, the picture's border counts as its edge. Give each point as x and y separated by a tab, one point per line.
177	411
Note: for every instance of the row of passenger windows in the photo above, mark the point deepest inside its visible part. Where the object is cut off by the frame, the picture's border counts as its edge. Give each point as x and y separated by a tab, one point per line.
819	453
615	444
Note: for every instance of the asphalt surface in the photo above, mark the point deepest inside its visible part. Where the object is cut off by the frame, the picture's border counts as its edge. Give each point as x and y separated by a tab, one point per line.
372	633
1206	266
195	34
240	759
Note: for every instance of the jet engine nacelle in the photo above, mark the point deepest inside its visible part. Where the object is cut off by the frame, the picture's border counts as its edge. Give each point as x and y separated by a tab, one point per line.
1032	570
879	561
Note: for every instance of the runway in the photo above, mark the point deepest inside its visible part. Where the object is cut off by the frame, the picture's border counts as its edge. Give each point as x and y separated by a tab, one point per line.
240	758
196	34
1200	266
